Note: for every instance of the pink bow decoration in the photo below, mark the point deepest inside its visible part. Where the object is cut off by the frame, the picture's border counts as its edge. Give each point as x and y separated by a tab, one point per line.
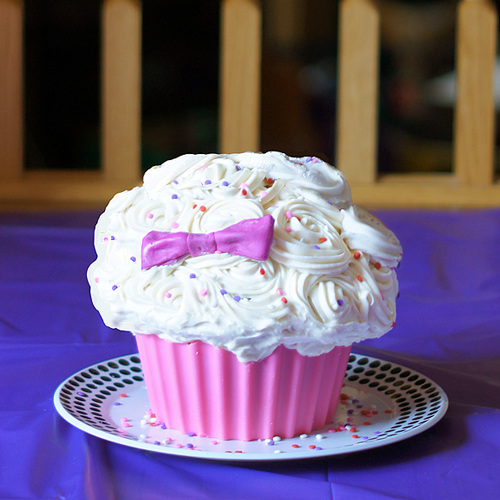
250	238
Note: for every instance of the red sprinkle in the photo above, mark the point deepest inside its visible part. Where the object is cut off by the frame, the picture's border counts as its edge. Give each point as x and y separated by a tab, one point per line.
322	240
378	265
123	395
355	436
238	451
344	396
283	299
360	279
195	205
352	429
367	423
243	192
388	411
393	324
357	255
295	445
312	446
262	271
203	208
364	412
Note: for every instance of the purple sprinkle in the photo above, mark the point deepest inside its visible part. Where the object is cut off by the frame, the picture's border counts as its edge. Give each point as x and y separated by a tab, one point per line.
175	182
192	275
225	183
308	159
133	259
340	302
81	393
191	434
318	448
330	202
359	406
174	197
208	182
237	298
112	237
350	412
114	287
316	247
222	291
157	442
376	433
117	404
190	445
238	167
270	443
364	437
163	426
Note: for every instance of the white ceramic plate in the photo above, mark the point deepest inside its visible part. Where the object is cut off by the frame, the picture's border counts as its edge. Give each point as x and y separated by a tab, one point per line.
384	402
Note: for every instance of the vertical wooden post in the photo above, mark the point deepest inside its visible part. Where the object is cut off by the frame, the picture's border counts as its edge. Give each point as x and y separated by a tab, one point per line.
121	89
11	89
474	113
357	99
240	76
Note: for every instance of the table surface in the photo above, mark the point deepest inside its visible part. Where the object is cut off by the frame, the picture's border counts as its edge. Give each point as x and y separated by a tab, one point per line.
448	328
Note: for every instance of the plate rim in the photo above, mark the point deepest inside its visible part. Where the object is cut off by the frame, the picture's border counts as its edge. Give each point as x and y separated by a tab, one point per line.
247	456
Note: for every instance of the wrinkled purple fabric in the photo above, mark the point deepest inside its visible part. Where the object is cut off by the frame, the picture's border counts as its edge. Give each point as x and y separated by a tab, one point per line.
448	328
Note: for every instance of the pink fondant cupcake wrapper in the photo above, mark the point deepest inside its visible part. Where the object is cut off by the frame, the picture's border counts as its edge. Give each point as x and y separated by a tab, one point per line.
203	389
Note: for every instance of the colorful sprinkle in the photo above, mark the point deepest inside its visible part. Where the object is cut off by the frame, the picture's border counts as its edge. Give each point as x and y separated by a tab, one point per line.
279	291
316	247
223	292
357	255
96	280
174	197
243	184
340	302
225	183
322	240
263	194
175	182
114	287
237	298
295	445
283	299
261	271
288	229
112	238
238	167
192	275
175	225
377	265
203	292
149	215
203	208
207	182
168	295
393	324
312	446
360	279
105	240
133	259
289	214
244	192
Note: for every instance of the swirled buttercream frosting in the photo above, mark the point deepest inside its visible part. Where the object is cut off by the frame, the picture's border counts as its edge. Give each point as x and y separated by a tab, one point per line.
245	252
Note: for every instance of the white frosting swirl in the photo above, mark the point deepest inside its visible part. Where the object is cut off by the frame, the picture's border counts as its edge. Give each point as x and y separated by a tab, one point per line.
328	281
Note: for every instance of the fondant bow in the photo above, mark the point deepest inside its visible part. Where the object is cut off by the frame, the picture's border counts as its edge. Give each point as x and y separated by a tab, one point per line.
250	238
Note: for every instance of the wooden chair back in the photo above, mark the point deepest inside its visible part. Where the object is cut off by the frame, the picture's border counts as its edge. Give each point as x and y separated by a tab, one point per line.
471	184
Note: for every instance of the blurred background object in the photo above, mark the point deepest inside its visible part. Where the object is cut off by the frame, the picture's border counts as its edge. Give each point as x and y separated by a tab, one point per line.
180	75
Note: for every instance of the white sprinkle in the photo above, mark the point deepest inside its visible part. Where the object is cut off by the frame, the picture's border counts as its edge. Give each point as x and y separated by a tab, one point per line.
267	440
142	437
303	436
319	436
277	451
276	438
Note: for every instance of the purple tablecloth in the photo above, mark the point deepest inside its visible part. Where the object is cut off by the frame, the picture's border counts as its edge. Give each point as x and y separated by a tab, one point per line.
448	328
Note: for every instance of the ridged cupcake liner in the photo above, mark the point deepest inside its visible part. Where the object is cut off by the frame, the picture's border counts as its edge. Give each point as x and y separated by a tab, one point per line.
203	389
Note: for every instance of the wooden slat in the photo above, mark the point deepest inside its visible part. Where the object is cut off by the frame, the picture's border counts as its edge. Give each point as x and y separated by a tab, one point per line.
474	112
357	136
424	191
11	88
121	89
240	76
